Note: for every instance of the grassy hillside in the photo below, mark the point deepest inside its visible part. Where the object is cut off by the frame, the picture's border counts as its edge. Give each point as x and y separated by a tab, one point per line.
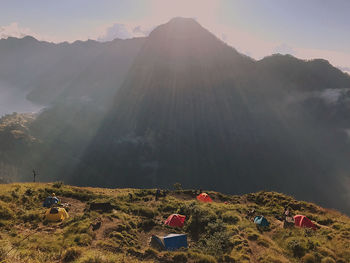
217	232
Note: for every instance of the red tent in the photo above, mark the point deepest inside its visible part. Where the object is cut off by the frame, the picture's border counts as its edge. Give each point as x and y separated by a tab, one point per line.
175	220
203	197
303	221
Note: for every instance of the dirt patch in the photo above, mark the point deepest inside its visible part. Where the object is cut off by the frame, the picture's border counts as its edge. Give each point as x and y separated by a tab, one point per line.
106	223
75	207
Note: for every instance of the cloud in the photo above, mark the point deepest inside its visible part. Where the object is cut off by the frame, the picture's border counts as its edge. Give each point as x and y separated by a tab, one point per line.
345	69
123	31
285	49
14	30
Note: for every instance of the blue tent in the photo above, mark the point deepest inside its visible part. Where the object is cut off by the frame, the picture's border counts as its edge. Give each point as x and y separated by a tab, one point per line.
49	201
261	221
172	241
175	241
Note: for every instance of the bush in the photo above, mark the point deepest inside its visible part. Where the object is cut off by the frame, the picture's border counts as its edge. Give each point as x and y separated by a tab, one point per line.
200	258
309	258
178	186
217	244
328	260
143	211
83	240
230	217
151	253
147	224
94	259
199	218
180	257
5	212
29	192
31	217
297	247
2	254
71	254
57	184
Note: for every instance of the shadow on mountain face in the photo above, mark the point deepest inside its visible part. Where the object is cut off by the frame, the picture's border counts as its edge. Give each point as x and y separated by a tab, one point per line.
182	106
193	110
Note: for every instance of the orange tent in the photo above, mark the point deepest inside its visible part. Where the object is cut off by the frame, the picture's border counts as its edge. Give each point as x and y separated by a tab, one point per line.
203	197
175	220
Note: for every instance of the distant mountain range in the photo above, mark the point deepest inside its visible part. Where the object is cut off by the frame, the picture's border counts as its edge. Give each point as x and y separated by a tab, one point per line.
182	106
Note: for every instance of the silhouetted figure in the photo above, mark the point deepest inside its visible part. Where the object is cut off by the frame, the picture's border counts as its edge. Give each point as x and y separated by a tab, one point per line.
130	197
34	175
157	194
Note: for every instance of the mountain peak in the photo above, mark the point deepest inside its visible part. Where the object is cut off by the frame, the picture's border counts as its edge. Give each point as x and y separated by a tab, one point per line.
183	20
180	26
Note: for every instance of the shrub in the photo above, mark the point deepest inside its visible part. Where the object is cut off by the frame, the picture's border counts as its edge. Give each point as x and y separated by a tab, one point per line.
31	217
328	260
180	257
200	258
94	259
143	211
297	247
29	192
151	253
269	259
178	186
57	184
71	254
217	243
147	224
230	217
227	259
263	242
309	258
199	219
2	254
5	212
325	222
83	240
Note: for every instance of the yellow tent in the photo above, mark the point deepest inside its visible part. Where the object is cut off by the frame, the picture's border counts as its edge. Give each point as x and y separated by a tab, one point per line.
56	214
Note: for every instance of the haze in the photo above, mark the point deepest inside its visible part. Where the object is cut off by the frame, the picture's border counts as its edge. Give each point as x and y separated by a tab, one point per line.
305	29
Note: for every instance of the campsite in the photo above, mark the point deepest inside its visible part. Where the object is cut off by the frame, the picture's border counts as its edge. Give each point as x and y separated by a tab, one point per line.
107	225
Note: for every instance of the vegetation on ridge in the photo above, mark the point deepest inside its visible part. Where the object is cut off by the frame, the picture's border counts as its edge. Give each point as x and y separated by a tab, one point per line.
217	232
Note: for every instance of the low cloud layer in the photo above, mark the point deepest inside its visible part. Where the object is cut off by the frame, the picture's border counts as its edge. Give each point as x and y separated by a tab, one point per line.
285	49
123	31
14	30
345	69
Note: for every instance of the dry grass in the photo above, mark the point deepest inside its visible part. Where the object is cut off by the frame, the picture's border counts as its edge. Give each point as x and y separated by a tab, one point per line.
217	232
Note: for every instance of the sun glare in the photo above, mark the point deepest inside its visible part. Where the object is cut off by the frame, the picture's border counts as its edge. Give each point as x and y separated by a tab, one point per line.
202	10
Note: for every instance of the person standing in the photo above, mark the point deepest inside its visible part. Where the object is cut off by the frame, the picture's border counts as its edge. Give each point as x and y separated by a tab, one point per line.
34	176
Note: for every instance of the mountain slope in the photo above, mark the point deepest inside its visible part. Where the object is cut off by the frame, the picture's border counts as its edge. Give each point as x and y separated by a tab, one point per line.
217	232
52	73
193	110
182	106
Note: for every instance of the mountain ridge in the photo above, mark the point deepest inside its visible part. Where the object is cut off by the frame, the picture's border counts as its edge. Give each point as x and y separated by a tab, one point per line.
188	108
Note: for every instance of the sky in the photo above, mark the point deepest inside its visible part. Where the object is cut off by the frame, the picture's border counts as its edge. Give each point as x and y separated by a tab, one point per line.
258	28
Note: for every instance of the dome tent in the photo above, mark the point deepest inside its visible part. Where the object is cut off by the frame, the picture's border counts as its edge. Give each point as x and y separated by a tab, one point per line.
170	242
204	197
303	221
56	214
175	220
261	221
